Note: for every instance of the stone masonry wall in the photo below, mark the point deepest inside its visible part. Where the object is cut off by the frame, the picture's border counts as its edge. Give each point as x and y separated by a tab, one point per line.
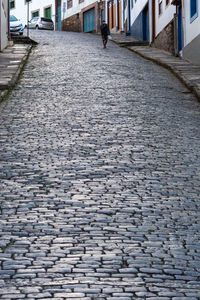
72	23
165	39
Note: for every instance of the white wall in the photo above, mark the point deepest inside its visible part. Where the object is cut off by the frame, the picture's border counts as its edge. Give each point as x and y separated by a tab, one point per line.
20	10
3	23
192	30
76	8
166	17
138	6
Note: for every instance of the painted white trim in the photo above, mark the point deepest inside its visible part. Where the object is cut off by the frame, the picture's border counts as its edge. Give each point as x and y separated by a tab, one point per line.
3	24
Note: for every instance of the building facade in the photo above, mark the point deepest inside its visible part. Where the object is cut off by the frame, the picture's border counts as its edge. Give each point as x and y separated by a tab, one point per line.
25	11
116	15
164	25
82	15
4	24
172	25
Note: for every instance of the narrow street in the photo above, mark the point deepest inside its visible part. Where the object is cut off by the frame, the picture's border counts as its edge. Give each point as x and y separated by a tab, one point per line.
99	177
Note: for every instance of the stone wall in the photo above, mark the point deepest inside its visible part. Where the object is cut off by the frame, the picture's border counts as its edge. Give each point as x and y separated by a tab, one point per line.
72	23
165	39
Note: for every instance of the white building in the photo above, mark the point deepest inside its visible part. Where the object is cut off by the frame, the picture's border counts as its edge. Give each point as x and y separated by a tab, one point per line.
150	17
191	29
82	15
26	11
116	15
4	16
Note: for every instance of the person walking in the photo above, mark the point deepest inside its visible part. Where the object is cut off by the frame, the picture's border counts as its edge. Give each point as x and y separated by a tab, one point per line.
104	33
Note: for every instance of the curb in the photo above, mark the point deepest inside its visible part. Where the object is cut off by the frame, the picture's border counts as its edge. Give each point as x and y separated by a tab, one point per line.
184	80
127	44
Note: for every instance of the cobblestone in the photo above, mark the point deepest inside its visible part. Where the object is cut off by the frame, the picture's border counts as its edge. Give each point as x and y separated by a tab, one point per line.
99	172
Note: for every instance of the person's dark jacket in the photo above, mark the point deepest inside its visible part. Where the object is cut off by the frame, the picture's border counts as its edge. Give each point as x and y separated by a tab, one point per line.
104	29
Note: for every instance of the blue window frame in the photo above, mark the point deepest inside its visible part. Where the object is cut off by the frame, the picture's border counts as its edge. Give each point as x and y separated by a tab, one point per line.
193	10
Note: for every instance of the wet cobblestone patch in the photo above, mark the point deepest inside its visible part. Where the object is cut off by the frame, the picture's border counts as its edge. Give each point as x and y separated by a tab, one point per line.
99	171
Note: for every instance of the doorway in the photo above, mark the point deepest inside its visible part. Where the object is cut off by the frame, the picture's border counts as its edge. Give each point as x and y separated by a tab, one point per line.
180	29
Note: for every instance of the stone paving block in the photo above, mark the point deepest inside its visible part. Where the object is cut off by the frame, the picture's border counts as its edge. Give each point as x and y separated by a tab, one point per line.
13	296
184	298
43	295
70	295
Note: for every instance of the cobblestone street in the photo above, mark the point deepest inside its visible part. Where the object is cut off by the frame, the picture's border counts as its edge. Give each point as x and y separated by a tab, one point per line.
99	177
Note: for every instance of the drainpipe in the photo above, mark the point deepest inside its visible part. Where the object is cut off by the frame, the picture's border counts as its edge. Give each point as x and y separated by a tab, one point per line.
177	3
0	27
184	23
129	18
28	17
175	21
9	37
153	36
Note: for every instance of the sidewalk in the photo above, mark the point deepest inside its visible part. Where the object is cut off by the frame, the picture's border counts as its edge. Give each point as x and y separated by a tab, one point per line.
12	60
188	73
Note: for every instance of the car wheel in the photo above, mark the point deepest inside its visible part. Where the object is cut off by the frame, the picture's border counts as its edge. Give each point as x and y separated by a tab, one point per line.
21	33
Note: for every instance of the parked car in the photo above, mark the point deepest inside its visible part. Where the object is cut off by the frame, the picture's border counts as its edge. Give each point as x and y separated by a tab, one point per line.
16	26
41	23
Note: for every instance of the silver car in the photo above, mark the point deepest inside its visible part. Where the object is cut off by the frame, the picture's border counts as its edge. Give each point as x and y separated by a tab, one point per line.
16	26
41	23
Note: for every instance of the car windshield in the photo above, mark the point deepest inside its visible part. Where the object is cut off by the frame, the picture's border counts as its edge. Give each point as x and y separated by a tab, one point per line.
46	20
13	19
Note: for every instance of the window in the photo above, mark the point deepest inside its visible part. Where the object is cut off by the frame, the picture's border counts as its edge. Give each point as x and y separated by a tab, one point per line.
131	3
13	19
193	10
69	4
12	4
160	7
47	12
35	14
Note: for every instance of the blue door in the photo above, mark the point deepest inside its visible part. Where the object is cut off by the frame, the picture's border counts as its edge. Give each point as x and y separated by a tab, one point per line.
89	20
145	20
102	15
59	18
180	30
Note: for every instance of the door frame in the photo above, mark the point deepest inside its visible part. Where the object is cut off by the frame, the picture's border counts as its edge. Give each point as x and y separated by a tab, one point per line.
180	29
153	20
145	21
